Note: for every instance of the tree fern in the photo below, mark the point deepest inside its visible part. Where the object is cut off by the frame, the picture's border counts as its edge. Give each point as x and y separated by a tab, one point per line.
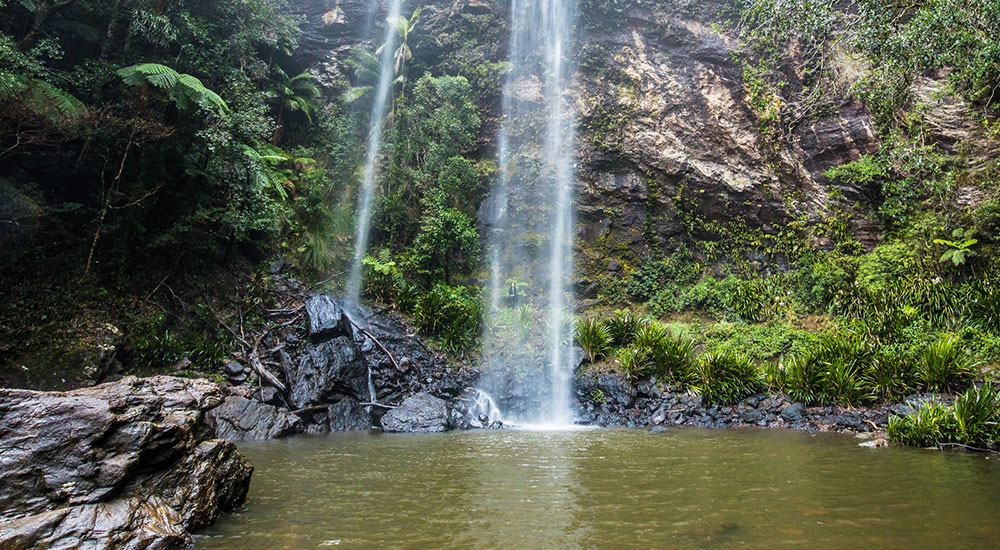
185	90
42	98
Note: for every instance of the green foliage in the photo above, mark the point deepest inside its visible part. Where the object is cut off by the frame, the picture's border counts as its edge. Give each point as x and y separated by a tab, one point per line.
972	420
593	336
448	241
674	359
905	40
622	326
453	314
726	378
183	89
678	269
945	367
891	376
802	378
924	427
959	250
760	299
633	361
977	412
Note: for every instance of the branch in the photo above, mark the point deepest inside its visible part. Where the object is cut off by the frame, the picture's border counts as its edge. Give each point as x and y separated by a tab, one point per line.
324	281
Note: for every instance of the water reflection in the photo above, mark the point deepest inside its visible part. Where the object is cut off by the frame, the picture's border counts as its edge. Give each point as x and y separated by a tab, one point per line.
610	489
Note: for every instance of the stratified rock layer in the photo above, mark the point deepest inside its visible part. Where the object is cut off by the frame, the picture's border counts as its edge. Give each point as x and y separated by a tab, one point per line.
129	464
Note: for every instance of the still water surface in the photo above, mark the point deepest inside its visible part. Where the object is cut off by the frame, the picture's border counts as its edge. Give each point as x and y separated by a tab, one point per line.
611	488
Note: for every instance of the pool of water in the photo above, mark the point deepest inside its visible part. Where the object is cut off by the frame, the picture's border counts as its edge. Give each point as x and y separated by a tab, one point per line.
610	488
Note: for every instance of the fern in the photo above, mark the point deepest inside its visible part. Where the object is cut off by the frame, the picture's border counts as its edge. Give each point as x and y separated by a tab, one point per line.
185	90
42	98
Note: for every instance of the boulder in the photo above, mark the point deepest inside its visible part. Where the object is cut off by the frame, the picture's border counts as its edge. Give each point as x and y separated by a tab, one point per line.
617	388
794	413
348	415
326	318
239	418
419	413
327	371
129	464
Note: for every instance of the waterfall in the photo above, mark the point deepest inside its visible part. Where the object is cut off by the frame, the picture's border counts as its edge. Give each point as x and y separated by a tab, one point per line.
529	213
376	127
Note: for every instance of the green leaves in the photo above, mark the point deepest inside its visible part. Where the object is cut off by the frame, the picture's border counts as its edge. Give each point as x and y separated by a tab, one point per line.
185	90
959	249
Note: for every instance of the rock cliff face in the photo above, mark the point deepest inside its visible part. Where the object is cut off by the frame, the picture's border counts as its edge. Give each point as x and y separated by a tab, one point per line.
130	464
669	148
669	144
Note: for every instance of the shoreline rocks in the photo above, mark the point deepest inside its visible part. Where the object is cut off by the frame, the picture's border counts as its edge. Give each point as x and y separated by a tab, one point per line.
647	404
128	464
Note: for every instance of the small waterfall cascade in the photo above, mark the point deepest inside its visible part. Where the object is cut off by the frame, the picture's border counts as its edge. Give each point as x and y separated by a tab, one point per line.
530	219
486	410
376	128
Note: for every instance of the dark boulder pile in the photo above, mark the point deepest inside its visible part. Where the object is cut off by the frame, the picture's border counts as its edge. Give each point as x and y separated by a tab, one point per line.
128	464
334	366
613	400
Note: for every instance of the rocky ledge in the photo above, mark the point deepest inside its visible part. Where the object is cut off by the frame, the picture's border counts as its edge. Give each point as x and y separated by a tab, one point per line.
612	400
128	464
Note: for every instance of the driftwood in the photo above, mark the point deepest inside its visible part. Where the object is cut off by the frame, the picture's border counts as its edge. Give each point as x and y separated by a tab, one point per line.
324	281
373	404
252	354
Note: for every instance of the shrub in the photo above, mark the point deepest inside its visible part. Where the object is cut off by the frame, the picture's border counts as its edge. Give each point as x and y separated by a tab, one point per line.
944	366
842	383
924	427
802	378
622	326
818	279
633	362
674	359
594	338
725	378
890	376
452	314
984	304
677	270
757	300
649	335
976	414
707	294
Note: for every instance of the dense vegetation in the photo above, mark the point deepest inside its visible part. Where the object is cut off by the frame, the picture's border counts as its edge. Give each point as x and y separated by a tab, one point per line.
154	155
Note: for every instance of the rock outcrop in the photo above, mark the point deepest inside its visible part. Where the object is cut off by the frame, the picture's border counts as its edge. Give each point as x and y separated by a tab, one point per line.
420	413
128	464
238	418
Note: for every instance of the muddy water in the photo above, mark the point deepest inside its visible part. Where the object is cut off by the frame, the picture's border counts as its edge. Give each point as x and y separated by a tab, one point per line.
612	488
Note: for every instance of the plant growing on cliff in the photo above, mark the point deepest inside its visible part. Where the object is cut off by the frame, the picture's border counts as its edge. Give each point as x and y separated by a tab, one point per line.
622	326
960	249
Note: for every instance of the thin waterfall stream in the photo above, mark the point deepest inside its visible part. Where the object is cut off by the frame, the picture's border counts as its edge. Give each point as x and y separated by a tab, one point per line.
530	216
369	179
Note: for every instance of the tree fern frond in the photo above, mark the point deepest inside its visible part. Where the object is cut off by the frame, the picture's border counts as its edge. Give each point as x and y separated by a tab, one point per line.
201	95
354	94
185	90
51	102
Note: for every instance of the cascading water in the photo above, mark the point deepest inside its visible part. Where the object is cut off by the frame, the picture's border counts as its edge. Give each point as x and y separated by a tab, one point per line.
376	127
530	218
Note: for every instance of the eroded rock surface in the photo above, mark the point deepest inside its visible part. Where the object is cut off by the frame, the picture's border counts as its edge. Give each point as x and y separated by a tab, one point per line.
129	464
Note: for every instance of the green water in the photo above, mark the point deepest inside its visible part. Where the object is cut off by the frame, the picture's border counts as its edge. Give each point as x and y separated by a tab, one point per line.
612	488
